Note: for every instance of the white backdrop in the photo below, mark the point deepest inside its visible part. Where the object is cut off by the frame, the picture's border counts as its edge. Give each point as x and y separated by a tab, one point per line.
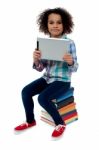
18	32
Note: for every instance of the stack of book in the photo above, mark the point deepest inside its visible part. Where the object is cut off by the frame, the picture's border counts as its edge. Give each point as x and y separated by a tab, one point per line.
66	107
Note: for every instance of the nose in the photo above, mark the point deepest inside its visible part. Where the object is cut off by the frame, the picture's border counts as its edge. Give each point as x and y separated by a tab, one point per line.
55	25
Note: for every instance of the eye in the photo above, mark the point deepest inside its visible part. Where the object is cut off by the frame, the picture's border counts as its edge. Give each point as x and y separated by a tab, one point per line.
50	22
59	22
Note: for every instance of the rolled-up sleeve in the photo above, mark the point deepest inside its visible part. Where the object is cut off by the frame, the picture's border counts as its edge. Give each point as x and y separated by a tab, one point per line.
41	65
74	67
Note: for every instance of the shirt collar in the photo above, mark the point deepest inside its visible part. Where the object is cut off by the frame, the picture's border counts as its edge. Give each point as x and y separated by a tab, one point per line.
64	36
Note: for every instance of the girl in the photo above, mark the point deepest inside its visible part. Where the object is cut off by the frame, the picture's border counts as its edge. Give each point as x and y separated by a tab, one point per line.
56	80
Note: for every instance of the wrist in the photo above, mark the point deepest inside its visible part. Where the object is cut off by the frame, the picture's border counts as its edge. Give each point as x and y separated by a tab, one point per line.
70	64
36	62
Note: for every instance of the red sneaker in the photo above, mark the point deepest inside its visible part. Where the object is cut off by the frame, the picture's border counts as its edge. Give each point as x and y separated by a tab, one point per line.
25	126
58	130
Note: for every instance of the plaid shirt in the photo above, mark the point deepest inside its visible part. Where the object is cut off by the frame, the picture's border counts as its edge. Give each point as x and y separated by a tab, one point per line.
58	70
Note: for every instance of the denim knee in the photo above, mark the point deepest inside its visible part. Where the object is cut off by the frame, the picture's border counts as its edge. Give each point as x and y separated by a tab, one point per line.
25	92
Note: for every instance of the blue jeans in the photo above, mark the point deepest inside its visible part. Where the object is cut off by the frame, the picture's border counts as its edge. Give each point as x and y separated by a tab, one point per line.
46	92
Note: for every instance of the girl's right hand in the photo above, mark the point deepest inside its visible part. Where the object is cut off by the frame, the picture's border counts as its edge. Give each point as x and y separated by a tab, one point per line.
36	55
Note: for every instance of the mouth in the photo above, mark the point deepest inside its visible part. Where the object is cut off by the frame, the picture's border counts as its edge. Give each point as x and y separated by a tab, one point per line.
55	30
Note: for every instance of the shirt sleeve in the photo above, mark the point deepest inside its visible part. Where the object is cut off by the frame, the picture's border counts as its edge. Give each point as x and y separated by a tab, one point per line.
40	66
74	67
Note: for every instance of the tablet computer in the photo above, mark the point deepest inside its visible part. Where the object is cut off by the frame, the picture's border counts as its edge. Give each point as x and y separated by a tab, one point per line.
53	48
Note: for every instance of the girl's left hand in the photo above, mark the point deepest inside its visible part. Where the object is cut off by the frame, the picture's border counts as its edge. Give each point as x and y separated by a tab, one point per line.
68	58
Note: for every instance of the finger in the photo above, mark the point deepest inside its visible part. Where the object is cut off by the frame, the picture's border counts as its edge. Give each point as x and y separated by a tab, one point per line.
37	53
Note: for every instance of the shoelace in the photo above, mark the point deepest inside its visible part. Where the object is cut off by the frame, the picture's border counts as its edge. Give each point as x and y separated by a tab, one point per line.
58	127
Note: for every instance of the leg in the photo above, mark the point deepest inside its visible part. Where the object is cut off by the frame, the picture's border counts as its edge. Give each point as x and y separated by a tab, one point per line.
28	91
52	92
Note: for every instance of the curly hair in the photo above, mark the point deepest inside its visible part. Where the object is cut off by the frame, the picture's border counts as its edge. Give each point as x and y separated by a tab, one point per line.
67	21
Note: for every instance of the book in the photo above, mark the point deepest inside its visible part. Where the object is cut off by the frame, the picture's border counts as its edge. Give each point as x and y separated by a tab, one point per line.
65	95
68	114
68	121
64	102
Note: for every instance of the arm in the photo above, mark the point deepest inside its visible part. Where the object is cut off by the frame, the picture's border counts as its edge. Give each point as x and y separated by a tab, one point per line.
37	64
71	58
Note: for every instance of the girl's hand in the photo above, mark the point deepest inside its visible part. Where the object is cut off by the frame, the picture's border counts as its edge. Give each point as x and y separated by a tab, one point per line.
68	58
36	55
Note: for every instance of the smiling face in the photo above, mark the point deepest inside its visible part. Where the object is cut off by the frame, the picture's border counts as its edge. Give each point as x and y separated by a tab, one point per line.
55	25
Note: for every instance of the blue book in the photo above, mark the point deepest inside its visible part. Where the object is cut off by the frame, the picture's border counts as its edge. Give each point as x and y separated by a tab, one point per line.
66	95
